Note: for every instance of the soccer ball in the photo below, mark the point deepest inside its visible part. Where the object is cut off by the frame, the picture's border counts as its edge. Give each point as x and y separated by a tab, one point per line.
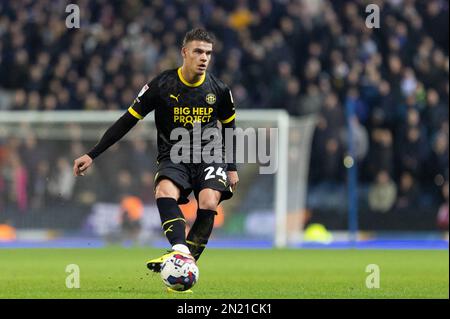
179	272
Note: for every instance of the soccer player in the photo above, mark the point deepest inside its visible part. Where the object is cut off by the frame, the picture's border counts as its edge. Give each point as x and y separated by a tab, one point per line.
182	98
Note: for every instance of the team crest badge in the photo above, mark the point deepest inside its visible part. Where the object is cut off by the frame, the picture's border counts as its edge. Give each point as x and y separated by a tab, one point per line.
145	88
211	98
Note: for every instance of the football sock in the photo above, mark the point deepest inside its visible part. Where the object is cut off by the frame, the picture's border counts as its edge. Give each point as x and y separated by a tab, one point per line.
181	248
201	230
172	220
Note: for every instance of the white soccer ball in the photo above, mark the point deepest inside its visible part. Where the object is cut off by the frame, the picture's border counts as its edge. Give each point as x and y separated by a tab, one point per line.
179	272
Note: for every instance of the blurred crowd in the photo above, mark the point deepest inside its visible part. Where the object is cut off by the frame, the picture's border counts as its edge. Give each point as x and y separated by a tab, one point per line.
37	178
305	56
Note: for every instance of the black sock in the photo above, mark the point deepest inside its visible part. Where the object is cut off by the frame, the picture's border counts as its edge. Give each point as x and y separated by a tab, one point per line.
172	220
201	230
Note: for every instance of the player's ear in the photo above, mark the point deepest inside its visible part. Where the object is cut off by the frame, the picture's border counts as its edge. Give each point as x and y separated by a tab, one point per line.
183	52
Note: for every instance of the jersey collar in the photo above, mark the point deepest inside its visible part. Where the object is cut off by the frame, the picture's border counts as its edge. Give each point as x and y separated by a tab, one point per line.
198	83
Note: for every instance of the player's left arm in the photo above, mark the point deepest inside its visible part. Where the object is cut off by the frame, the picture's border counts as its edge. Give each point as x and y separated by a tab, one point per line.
227	116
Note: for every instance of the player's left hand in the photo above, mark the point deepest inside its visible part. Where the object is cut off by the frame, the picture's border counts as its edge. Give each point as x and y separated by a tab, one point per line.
233	179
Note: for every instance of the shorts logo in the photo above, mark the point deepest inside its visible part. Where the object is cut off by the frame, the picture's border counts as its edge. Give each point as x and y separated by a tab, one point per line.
211	98
223	182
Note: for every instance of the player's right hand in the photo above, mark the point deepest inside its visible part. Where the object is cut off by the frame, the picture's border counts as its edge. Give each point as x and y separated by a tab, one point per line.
81	164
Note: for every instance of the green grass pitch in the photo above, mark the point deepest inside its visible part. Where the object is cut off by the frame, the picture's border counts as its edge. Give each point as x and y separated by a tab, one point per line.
226	273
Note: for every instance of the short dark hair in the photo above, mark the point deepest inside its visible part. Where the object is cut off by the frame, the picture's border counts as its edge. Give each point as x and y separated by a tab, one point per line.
198	34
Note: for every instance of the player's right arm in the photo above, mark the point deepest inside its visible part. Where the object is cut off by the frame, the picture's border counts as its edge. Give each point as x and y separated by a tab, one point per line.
141	106
114	133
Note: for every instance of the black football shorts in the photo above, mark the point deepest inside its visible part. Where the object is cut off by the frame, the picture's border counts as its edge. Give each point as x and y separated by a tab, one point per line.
195	177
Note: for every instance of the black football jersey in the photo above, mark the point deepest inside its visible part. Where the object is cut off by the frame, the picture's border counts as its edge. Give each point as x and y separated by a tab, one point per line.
178	103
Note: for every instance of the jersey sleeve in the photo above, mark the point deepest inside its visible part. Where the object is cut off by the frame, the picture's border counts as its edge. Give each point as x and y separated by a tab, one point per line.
226	110
146	100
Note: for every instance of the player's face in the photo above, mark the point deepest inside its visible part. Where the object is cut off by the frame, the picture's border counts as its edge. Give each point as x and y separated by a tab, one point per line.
196	56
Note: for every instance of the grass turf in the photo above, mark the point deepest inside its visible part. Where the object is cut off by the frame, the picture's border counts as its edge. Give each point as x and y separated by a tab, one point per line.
226	273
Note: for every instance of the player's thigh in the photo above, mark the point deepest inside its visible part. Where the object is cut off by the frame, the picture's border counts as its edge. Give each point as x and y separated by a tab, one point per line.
173	180
212	181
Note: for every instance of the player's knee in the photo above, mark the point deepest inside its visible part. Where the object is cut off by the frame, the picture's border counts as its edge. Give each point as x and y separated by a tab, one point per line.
209	199
208	204
166	188
165	193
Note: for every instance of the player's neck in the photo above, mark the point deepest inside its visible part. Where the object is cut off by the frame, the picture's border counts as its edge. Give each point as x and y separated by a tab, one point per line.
188	76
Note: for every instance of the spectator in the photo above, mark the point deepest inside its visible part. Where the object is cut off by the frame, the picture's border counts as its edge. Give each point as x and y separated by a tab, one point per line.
385	105
436	112
146	187
62	183
408	193
20	100
442	216
131	211
381	156
382	193
311	101
293	102
39	190
413	151
19	183
439	157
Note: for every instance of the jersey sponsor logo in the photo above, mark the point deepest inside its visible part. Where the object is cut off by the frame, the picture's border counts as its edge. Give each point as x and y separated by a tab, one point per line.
175	97
189	116
210	98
